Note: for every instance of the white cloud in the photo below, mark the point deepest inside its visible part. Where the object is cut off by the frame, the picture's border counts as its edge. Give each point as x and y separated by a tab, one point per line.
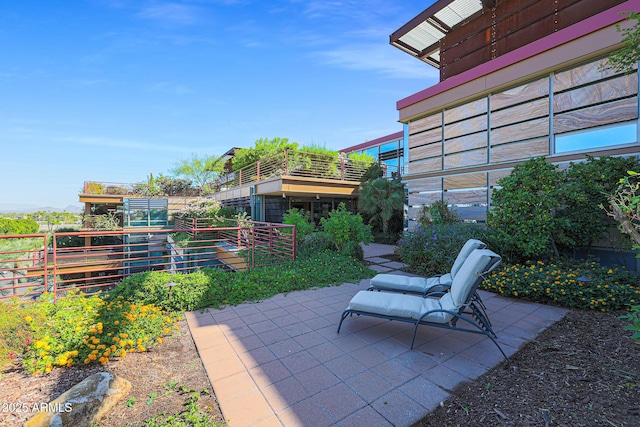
171	13
122	143
376	58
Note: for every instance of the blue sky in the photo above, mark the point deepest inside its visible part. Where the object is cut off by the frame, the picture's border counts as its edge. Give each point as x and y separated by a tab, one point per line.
112	90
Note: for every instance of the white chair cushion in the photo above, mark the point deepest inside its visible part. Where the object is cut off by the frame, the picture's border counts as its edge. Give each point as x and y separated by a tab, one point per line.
466	250
398	305
404	283
476	263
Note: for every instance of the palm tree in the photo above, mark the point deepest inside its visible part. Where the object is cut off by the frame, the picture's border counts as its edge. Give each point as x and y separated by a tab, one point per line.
380	198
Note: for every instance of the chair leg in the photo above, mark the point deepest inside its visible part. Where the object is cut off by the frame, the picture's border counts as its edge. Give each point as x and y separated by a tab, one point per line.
415	331
344	316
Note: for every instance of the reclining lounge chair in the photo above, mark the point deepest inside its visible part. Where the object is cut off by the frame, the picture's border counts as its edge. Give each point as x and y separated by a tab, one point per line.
424	285
447	311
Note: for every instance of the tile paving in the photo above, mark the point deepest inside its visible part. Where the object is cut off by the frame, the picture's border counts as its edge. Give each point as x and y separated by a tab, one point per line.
280	362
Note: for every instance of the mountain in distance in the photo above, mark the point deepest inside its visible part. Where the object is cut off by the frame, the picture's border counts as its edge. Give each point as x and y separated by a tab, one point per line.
28	208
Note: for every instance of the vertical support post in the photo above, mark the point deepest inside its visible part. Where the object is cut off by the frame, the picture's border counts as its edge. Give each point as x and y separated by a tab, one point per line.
46	263
294	244
286	162
258	171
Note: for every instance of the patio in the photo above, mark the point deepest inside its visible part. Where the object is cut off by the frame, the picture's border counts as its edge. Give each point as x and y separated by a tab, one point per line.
281	362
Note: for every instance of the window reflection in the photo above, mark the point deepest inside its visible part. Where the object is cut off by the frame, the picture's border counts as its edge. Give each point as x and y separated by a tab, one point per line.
596	138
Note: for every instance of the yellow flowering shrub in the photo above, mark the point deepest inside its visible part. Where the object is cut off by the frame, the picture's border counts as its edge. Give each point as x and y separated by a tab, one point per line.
85	329
572	284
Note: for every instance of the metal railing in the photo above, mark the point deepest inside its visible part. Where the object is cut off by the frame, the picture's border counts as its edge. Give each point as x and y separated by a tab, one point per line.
91	261
296	163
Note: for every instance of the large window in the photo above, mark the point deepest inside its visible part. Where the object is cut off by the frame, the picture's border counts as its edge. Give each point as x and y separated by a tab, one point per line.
596	138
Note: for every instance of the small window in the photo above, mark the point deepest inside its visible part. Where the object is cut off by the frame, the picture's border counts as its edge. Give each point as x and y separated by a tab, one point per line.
596	138
389	146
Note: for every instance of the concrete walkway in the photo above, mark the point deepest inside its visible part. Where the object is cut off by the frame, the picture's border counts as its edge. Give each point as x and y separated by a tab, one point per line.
280	362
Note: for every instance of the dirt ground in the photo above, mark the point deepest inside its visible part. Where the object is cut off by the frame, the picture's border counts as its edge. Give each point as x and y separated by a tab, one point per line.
582	371
162	380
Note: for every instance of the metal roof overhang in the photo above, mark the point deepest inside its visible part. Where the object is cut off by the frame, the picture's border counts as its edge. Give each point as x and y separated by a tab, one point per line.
421	36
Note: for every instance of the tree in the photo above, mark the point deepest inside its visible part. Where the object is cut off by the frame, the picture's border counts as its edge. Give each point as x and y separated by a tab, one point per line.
624	59
262	148
201	170
381	198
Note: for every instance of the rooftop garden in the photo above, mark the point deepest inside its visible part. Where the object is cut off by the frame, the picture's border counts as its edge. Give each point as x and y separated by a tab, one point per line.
204	174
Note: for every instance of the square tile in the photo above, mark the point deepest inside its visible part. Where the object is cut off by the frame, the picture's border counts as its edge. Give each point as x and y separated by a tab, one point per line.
340	401
316	379
369	385
300	361
345	367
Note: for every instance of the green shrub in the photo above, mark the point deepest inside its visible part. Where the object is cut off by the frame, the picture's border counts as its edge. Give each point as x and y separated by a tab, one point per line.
432	250
15	331
18	226
587	188
302	220
438	213
227	212
354	250
634	317
212	287
151	288
94	188
343	226
386	238
315	243
524	209
175	186
82	329
582	284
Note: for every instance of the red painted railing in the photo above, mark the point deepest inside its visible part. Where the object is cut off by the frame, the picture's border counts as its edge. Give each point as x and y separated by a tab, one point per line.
92	261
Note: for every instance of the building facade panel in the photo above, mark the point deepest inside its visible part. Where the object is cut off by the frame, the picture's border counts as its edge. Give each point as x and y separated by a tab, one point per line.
597	115
520	150
467	180
520	112
427	184
426	137
426	151
466	197
473	108
423	199
580	75
603	91
495	176
427	165
467	142
425	123
520	131
465	127
467	158
536	89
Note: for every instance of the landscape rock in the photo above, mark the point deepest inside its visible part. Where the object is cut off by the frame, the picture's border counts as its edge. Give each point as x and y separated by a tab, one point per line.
83	404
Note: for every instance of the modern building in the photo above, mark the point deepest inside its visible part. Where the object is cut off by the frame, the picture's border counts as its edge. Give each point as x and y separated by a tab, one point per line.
316	183
518	79
388	150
